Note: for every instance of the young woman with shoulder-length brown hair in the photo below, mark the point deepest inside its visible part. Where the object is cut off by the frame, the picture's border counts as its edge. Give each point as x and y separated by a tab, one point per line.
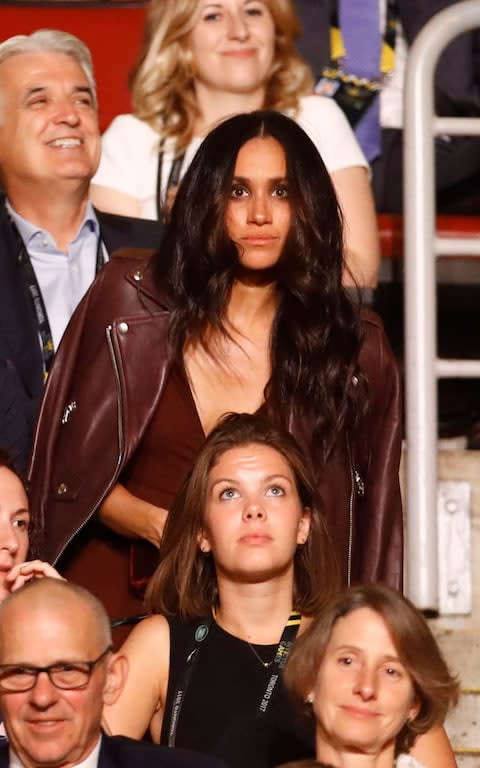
201	63
185	580
370	650
247	545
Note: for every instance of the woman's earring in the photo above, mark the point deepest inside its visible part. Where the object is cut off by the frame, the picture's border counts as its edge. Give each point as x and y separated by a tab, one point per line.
309	698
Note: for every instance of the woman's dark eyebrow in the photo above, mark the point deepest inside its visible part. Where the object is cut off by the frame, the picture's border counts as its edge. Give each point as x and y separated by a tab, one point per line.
247	180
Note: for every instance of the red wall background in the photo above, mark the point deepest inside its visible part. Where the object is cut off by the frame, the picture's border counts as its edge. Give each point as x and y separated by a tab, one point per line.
112	34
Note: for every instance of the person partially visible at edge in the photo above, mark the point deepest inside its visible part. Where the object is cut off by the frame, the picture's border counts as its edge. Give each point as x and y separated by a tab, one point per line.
202	62
57	670
456	93
52	240
246	561
369	673
15	570
242	308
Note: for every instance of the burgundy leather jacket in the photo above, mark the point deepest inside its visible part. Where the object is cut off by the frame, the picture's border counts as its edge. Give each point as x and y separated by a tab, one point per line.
106	381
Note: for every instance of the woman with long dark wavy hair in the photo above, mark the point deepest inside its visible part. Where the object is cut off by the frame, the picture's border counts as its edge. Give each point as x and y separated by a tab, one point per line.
241	309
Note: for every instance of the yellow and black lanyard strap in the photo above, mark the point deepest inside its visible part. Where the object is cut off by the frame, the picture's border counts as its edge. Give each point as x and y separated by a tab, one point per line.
173	179
33	289
387	53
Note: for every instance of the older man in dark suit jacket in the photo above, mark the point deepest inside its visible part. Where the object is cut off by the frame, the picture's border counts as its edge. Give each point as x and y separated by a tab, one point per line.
52	241
57	671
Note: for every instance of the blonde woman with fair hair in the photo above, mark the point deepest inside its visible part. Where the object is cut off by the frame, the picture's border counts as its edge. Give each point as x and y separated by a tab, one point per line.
201	62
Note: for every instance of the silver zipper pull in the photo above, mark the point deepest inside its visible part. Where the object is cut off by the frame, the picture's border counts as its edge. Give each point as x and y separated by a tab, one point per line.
69	409
359	483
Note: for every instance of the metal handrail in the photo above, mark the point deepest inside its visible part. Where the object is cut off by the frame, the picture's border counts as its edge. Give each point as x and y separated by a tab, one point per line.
421	248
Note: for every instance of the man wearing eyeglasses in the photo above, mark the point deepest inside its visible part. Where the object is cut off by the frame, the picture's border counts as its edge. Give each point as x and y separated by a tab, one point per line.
57	670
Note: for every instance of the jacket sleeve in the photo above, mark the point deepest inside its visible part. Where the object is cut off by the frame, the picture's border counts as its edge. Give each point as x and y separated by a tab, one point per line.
379	519
79	443
50	415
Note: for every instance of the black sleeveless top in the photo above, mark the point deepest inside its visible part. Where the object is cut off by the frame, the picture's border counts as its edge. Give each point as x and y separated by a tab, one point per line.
220	711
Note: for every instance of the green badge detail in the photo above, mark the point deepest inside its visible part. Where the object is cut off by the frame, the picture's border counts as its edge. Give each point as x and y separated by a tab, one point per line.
201	632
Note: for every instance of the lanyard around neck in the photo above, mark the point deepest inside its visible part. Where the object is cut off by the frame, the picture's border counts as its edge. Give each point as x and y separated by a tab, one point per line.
387	55
286	641
201	632
38	304
173	179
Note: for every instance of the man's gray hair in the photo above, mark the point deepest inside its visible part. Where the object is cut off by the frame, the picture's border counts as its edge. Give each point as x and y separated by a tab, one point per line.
55	41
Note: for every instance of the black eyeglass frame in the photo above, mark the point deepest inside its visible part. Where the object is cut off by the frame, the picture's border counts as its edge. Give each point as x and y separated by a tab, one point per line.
87	668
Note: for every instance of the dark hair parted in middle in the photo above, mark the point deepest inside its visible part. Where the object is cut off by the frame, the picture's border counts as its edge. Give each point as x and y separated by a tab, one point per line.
185	581
436	690
315	338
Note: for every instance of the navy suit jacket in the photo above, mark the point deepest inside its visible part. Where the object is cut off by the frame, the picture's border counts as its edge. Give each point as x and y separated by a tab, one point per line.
121	752
21	364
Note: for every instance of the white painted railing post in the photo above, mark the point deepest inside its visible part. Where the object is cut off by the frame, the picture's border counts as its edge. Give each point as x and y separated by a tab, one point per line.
421	249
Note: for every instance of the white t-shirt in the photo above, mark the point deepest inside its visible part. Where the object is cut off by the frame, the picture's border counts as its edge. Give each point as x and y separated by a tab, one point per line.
129	161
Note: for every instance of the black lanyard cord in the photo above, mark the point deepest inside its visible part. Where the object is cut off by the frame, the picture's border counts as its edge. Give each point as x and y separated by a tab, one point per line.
33	289
173	179
201	632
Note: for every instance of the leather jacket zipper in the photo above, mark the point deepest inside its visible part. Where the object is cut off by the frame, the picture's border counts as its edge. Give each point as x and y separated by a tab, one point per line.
350	523
121	441
357	487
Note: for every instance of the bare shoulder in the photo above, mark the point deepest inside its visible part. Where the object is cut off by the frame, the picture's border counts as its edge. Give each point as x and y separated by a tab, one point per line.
141	700
152	632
